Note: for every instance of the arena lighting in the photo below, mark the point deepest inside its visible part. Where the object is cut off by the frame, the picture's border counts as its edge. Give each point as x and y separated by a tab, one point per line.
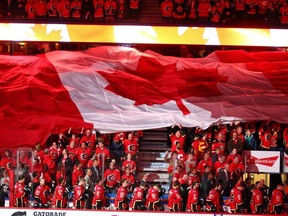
128	34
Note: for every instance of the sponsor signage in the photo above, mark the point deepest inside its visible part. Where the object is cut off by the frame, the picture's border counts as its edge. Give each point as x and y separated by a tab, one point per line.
64	212
285	163
261	161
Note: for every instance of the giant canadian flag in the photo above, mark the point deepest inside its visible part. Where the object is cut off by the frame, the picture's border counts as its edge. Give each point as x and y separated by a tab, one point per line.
121	89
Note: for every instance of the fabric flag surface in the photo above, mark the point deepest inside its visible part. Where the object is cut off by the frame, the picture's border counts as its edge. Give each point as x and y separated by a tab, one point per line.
121	89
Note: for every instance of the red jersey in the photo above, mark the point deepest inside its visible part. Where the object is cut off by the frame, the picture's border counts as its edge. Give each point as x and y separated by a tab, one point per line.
204	9
90	141
129	164
120	196
138	195
78	194
202	164
76	175
119	136
193	178
231	157
41	8
83	155
193	197
47	177
30	10
76	7
202	145
219	144
130	146
72	152
40	193
167	9
283	14
236	167
54	153
52	9
218	166
256	199
236	198
265	139
64	8
130	179
277	197
50	163
175	140
152	195
112	177
102	155
8	163
19	191
134	4
214	198
59	195
174	199
99	195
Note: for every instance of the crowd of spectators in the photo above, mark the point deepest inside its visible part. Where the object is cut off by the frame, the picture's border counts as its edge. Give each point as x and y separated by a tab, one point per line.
244	12
97	171
66	10
209	166
190	11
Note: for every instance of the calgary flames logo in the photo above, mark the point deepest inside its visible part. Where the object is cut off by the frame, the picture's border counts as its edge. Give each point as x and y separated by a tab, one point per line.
131	148
84	156
111	178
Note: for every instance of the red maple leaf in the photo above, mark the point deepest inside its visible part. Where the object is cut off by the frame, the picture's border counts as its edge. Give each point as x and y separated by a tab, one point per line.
152	83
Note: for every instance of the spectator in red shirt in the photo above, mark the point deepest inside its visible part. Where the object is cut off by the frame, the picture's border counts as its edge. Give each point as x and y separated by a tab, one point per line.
83	154
130	179
232	155
102	153
112	178
205	161
176	138
89	139
7	161
77	173
129	163
54	151
130	145
72	150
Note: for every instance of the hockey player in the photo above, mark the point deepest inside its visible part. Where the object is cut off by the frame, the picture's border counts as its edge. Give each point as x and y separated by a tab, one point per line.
138	199
193	197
